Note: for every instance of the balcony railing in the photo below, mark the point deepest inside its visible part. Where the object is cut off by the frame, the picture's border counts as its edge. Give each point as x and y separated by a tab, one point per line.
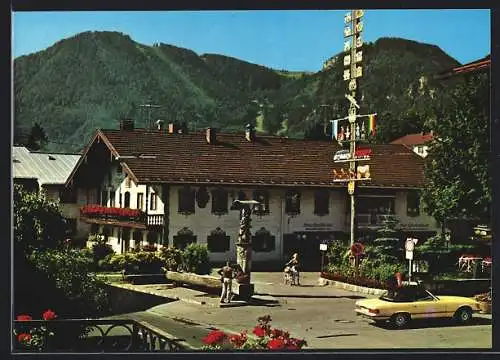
84	335
99	212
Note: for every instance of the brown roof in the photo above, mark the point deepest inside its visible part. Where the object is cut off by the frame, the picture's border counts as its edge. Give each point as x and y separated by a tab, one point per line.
473	66
413	139
154	157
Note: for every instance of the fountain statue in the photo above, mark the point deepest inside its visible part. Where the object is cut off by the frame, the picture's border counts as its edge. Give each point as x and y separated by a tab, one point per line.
244	246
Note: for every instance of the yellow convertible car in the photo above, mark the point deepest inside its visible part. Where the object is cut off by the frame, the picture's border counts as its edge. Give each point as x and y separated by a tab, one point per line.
415	302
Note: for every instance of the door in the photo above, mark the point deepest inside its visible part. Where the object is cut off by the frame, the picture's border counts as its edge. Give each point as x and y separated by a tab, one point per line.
426	306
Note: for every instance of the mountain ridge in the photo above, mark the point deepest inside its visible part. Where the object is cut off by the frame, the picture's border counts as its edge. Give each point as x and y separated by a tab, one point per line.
93	78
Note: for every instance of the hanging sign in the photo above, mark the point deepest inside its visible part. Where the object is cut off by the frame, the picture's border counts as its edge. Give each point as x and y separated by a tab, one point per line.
347	31
358	14
323	247
350	187
347	74
347	17
347	60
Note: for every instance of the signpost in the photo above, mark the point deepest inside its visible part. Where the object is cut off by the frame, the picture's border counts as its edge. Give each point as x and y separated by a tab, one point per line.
409	246
357	249
323	247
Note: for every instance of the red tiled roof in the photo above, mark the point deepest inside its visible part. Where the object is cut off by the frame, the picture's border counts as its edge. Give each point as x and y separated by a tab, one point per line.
270	160
413	139
469	67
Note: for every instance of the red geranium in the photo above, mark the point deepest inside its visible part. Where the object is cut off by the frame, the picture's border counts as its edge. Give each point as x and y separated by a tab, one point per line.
24	317
23	337
238	340
259	331
49	315
275	344
214	337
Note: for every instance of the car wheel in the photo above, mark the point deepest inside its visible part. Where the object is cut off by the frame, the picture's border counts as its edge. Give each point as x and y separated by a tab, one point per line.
463	315
400	320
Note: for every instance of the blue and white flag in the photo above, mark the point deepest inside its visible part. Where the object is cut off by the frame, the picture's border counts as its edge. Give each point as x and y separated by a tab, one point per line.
335	124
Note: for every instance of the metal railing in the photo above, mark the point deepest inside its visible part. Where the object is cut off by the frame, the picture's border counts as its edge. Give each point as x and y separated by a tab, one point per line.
92	335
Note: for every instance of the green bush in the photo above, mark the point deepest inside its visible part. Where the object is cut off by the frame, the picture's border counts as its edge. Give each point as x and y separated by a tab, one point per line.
337	255
172	258
69	274
196	259
142	262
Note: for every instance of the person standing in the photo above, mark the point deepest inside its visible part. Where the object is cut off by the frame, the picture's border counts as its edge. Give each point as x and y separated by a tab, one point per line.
294	268
226	273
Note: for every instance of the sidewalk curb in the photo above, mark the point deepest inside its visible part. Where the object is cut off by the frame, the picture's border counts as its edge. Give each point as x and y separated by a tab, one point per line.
350	287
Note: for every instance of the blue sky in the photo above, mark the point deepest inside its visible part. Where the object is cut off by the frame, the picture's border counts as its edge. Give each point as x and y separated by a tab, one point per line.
297	40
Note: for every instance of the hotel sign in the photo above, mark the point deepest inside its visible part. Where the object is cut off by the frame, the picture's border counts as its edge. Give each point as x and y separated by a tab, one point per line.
313	226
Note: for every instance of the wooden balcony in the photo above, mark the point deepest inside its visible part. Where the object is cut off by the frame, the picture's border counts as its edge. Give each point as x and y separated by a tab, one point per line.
124	217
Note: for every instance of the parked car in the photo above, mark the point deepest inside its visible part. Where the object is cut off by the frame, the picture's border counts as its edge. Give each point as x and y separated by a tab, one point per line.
411	302
342	155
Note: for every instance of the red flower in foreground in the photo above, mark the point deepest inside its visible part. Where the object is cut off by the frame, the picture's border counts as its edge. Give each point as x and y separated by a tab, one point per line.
238	340
24	317
259	331
49	315
214	337
275	344
23	337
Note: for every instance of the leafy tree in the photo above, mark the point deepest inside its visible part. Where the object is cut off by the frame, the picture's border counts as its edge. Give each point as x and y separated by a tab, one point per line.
38	223
457	168
37	138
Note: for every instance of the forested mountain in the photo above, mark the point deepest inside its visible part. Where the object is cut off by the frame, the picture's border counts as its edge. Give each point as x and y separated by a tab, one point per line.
95	78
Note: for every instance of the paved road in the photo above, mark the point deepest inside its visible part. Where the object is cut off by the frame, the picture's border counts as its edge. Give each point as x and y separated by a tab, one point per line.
324	316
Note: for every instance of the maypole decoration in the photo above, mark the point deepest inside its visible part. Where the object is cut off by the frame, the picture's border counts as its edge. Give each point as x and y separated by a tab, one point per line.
353	130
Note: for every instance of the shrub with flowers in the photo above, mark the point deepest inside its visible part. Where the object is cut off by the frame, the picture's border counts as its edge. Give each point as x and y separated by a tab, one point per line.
264	338
31	337
98	210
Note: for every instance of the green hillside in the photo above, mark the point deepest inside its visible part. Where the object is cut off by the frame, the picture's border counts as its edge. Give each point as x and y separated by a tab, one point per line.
95	78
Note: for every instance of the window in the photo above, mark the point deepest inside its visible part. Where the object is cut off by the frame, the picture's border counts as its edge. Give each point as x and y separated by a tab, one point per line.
152	201
137	236
321	202
152	237
263	241
94	228
218	241
104	197
261	196
375	205
126	239
242	195
186	201
106	231
112	199
413	204
67	195
183	238
292	202
120	200
126	203
219	201
140	201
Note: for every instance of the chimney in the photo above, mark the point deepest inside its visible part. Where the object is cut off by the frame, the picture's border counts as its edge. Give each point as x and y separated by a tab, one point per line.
250	133
211	135
126	124
159	124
